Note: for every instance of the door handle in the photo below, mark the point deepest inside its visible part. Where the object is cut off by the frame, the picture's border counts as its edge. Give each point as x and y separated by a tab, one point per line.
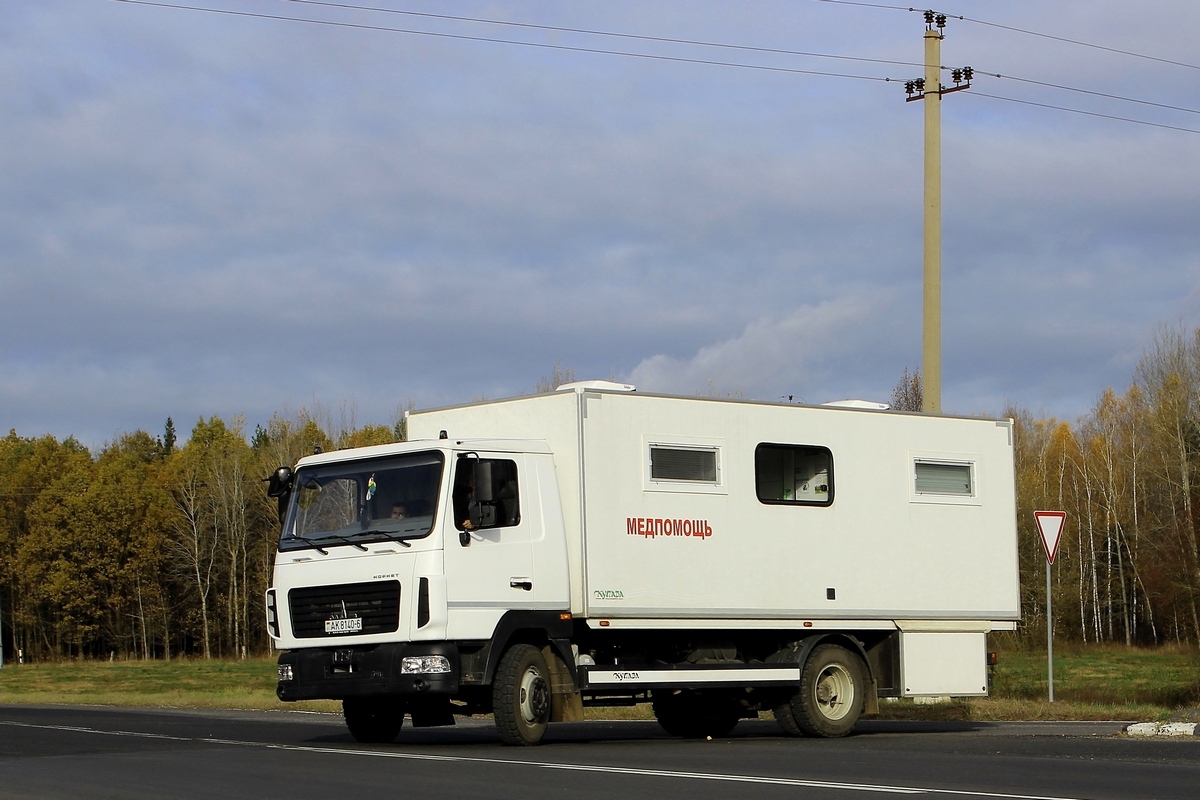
521	583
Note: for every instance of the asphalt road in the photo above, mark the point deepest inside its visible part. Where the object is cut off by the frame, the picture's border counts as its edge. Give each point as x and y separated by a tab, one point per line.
89	752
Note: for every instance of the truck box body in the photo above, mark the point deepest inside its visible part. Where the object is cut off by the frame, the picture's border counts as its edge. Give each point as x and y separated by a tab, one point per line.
596	545
647	549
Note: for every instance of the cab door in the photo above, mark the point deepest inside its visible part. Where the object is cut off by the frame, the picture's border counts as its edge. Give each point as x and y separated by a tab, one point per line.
489	545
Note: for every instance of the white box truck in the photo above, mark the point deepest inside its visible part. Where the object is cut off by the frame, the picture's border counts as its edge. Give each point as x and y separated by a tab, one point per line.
599	546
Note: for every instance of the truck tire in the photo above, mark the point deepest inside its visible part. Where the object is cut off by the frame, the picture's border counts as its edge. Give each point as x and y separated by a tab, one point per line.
694	716
521	695
373	720
832	693
786	719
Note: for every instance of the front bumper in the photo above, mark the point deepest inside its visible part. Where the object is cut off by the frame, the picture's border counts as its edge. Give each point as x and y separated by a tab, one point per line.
333	673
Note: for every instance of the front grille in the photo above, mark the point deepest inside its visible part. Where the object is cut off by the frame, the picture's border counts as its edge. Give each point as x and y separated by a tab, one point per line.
376	603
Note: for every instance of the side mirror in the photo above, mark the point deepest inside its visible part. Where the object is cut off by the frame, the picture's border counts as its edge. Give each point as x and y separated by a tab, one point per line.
279	486
483	481
280	482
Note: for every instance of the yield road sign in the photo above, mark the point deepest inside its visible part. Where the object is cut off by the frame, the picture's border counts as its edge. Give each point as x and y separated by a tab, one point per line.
1050	526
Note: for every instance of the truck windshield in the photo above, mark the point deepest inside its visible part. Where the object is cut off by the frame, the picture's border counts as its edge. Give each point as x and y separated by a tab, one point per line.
356	502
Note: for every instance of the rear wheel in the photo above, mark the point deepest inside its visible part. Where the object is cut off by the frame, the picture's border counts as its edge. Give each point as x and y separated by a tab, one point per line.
786	719
373	720
832	692
521	695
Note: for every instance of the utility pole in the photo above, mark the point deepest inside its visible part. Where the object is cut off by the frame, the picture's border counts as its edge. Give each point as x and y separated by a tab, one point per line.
930	89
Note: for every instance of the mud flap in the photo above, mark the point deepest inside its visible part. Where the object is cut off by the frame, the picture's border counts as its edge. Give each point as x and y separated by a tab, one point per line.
566	704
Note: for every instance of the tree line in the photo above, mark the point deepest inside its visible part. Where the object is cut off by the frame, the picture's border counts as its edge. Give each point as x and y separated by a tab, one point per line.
150	549
1128	565
146	549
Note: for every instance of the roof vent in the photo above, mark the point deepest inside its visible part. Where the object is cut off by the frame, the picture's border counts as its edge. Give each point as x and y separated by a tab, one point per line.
606	386
866	404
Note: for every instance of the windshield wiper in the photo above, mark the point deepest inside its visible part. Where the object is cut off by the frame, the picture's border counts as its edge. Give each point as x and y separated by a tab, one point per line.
345	540
398	530
311	544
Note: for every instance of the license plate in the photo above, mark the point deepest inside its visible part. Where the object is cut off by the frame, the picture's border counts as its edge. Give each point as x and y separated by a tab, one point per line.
343	625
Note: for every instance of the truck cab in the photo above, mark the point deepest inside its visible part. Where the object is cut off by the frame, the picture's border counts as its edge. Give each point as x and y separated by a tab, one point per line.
361	602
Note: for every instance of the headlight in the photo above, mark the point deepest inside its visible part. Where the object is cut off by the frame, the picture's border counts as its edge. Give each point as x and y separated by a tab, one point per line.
424	665
285	672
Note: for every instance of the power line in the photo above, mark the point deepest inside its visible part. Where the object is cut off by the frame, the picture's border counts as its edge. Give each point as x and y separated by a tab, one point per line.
1085	113
1024	31
1081	43
1088	91
614	34
747	48
868	5
677	59
540	45
939	20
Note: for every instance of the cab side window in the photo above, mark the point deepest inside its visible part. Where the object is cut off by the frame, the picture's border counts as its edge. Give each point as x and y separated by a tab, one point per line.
486	493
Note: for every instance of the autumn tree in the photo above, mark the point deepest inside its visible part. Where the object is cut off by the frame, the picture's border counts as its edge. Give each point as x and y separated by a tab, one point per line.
907	394
28	467
213	483
558	376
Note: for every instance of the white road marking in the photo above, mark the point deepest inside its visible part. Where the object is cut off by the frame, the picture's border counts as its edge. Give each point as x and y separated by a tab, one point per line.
651	773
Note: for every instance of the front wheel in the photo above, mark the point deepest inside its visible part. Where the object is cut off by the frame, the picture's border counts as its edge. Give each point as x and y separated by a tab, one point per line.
373	720
832	692
521	695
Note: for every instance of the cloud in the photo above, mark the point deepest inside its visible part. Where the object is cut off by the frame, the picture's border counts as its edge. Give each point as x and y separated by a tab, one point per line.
771	358
204	214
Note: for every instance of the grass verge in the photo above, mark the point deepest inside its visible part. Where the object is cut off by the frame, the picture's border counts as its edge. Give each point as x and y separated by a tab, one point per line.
1097	683
178	683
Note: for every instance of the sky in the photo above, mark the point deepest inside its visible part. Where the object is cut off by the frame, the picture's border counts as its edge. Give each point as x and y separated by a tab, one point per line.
241	213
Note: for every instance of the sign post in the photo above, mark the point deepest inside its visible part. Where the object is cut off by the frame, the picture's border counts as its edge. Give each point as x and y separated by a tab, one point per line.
1050	526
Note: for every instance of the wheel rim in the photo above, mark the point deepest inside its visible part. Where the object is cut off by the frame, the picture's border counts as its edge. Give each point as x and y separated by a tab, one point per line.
534	698
834	692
